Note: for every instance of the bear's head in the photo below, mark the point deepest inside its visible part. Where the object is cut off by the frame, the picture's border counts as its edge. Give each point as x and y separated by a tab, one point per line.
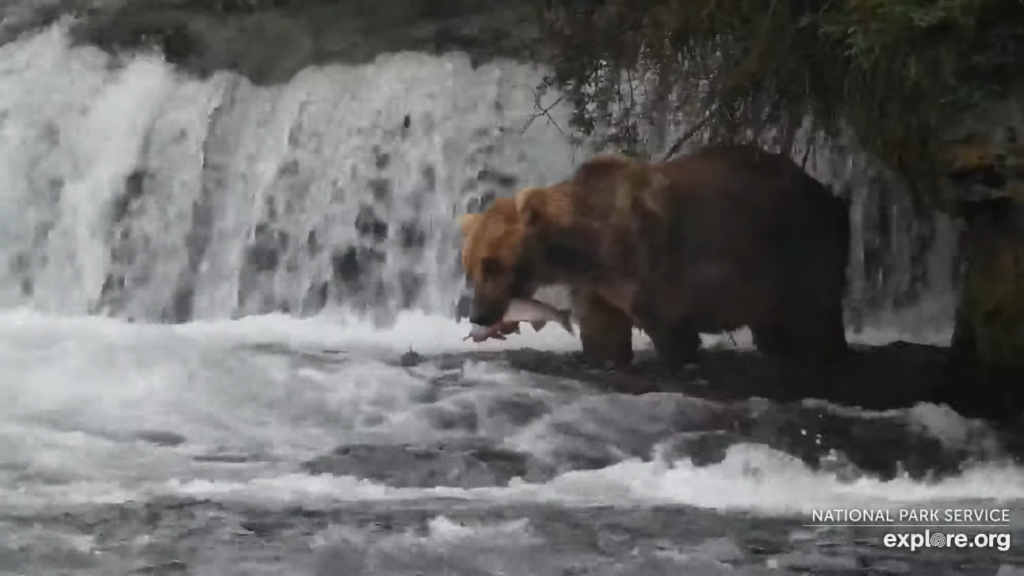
504	248
560	234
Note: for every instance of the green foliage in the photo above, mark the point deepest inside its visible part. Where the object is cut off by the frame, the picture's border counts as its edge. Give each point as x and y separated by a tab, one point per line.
895	72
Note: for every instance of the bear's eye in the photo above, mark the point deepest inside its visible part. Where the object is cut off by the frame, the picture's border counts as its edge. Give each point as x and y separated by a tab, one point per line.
491	268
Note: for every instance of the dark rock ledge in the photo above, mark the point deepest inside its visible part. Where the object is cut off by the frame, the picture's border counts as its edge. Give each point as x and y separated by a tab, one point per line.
269	41
894	376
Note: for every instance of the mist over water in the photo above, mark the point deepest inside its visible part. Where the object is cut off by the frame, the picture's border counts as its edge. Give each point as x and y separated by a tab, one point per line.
209	288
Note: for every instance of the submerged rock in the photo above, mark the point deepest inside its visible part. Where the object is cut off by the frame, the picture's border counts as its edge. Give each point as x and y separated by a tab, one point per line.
464	464
161	437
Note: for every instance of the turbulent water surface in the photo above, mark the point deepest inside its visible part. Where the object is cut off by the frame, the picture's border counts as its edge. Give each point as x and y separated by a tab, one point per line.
315	410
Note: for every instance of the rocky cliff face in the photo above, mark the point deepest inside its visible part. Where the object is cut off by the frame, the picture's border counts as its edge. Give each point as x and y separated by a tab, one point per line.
986	185
269	41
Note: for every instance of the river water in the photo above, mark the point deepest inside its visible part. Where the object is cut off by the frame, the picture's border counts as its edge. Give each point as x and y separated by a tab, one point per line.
211	292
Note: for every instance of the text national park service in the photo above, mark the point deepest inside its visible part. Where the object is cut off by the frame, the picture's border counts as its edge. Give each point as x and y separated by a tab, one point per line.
986	516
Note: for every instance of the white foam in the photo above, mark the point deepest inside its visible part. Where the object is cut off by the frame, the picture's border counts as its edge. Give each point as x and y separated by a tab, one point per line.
76	388
415	330
300	157
751	479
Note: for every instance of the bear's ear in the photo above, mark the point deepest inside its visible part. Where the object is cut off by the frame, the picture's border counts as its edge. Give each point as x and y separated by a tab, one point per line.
603	172
539	206
528	205
469	223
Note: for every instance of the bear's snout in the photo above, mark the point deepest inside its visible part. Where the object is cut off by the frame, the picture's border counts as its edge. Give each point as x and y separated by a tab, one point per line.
486	312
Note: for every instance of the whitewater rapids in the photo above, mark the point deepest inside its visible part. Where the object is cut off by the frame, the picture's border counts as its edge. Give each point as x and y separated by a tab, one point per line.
101	413
163	408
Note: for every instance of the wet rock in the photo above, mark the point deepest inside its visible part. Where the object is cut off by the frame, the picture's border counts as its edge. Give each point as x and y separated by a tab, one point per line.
262	258
172	567
315	299
411	235
269	41
313	245
224	458
463	306
518	409
815	562
410	359
887	566
459	416
161	437
181	305
411	286
702	448
380	189
134	189
267	234
381	159
346	265
265	254
429	175
350	266
882	446
719	414
113	283
498	178
464	464
720	549
369	225
481	203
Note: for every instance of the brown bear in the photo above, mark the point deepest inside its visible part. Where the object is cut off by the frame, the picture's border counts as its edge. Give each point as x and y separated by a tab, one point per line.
725	237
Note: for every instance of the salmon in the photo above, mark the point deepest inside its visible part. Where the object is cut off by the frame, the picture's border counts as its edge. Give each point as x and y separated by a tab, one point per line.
497	332
537	313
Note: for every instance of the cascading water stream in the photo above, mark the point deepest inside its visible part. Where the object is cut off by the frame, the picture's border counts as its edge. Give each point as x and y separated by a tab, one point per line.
137	192
134	191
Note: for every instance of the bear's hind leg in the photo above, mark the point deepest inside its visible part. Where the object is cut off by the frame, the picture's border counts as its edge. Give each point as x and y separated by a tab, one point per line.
772	340
605	331
821	336
677	343
815	333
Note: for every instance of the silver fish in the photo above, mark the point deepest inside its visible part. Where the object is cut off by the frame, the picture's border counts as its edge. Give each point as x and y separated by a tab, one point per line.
537	313
496	332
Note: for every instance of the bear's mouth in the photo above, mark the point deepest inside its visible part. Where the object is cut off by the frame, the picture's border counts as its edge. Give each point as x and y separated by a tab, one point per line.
534	311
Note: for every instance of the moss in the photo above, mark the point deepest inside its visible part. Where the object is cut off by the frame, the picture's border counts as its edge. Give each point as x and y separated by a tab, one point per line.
993	303
897	73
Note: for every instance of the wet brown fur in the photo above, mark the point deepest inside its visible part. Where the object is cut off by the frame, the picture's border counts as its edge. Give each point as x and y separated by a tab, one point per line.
725	237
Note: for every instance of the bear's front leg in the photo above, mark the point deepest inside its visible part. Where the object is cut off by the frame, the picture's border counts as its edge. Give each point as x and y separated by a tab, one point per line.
674	336
605	331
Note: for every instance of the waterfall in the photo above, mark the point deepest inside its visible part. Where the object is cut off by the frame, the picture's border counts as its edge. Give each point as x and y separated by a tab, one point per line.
132	190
